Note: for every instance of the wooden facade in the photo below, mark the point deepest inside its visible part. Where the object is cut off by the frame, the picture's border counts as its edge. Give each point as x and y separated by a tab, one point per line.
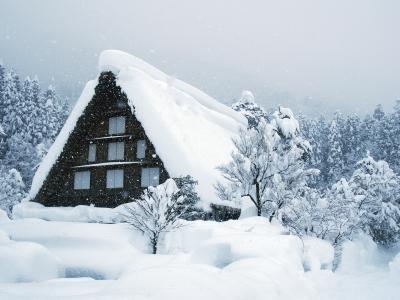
93	128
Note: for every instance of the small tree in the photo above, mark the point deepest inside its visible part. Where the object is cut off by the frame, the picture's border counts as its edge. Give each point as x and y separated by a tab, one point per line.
156	212
189	204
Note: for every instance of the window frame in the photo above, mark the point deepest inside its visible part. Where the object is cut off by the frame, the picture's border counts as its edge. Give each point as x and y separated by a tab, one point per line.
113	181
78	180
116	151
149	180
115	127
92	153
143	147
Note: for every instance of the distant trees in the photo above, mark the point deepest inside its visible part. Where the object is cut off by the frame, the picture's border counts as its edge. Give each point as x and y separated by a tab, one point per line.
30	120
157	211
340	142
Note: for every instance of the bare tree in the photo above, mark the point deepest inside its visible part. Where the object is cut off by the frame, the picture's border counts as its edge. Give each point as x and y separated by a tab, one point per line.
157	211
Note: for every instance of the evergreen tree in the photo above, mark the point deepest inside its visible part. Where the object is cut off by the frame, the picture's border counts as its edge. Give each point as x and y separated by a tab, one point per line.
334	161
12	121
22	156
2	88
11	190
353	145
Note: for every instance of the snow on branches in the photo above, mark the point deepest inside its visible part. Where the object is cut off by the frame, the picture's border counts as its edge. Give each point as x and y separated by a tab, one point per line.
157	211
268	164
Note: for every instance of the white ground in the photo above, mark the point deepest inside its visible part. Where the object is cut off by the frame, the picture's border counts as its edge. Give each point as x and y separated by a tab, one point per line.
244	259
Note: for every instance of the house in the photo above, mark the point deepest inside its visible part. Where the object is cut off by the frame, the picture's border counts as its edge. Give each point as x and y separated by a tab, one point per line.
133	127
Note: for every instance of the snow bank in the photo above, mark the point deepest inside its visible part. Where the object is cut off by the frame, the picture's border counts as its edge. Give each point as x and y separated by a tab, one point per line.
196	129
25	261
101	251
80	213
220	244
62	138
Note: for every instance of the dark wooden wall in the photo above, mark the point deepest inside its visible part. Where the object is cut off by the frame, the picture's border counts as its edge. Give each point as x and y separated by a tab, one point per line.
108	101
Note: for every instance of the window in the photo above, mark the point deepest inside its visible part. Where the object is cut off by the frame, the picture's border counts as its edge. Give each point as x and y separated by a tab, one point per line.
115	179
150	177
116	125
116	151
141	149
92	153
82	180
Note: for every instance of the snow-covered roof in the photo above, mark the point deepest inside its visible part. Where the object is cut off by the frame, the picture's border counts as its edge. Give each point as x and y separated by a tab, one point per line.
190	130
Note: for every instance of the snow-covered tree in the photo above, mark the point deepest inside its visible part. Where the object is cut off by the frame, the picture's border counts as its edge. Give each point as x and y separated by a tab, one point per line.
11	190
156	212
250	109
23	156
53	116
2	87
334	160
12	121
189	204
269	153
377	201
330	217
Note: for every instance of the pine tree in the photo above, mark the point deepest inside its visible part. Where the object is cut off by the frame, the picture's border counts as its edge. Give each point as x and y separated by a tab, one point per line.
22	156
11	190
2	88
12	121
353	145
334	161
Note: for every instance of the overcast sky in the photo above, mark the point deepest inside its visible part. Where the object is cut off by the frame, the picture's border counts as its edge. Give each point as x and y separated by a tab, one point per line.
307	54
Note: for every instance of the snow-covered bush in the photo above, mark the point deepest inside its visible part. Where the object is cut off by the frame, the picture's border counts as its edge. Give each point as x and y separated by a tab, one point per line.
156	212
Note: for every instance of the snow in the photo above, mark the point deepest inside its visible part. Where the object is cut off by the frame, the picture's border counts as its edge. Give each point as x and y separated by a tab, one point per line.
172	112
80	213
238	259
114	163
319	254
3	216
247	97
285	121
26	261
